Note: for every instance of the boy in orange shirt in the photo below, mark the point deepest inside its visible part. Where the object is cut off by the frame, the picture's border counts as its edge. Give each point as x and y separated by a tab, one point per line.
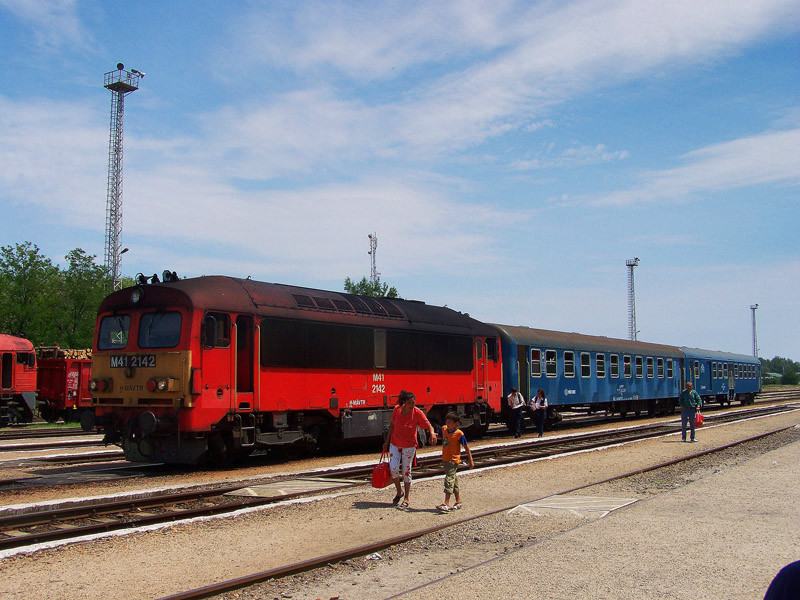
452	440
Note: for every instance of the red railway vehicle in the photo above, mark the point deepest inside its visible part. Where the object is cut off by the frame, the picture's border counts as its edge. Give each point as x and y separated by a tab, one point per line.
213	367
63	383
17	380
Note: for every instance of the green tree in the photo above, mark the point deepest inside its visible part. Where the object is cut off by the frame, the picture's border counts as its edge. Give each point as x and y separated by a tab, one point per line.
28	292
84	285
366	288
790	378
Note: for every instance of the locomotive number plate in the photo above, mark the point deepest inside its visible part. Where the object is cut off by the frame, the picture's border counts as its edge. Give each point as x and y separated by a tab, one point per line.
128	360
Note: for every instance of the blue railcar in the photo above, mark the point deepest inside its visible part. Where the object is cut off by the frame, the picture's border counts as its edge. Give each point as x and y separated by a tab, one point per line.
618	376
722	376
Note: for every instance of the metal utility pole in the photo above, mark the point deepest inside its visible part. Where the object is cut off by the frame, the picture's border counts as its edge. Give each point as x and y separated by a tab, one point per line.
753	308
373	246
120	83
631	263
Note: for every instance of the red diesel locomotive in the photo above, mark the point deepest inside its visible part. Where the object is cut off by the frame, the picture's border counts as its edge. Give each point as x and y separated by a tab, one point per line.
213	367
17	380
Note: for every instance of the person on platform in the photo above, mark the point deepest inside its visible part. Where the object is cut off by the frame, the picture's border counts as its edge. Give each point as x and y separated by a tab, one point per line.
690	402
401	443
516	404
452	441
540	410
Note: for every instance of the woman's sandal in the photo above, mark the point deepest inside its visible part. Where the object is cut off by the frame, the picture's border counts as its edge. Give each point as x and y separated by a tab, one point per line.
396	499
403	504
456	506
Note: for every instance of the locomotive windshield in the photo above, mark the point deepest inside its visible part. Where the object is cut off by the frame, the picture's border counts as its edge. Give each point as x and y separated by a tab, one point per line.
114	332
160	330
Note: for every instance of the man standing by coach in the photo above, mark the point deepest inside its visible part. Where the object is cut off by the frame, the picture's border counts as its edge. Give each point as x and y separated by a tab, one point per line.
690	404
516	402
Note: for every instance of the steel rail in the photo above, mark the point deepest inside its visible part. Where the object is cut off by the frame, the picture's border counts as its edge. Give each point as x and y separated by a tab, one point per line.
428	466
318	562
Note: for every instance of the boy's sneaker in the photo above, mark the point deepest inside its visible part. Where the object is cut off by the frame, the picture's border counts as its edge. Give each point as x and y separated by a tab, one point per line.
444	508
456	506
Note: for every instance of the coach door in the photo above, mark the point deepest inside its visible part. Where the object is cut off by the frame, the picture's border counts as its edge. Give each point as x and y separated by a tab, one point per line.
244	364
524	370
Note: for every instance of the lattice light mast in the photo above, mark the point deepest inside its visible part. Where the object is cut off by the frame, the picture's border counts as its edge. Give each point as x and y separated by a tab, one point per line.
631	263
120	83
373	247
753	308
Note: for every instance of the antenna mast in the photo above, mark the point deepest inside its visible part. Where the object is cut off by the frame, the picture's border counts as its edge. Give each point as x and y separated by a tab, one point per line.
120	83
373	246
631	263
753	308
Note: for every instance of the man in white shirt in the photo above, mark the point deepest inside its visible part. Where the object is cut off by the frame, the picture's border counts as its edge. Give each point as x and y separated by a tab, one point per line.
516	402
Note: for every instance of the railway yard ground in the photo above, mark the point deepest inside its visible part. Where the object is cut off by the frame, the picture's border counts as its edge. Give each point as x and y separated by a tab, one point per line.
718	525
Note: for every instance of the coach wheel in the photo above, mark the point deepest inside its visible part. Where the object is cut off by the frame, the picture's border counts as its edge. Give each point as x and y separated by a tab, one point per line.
637	413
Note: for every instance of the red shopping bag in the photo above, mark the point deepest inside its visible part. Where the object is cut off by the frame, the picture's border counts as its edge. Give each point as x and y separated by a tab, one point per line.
698	419
381	477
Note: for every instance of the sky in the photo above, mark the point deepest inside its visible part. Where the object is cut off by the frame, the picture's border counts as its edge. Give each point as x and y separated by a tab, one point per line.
509	156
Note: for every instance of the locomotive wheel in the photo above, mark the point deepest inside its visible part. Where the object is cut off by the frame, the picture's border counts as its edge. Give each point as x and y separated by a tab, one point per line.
218	450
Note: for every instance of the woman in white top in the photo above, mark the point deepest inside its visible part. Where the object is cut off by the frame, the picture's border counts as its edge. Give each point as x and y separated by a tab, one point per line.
540	410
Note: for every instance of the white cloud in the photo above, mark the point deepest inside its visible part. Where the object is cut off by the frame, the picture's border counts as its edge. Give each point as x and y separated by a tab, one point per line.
55	23
767	158
573	156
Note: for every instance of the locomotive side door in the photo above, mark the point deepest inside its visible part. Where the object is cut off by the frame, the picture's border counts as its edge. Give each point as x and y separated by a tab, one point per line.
216	363
480	369
244	397
7	370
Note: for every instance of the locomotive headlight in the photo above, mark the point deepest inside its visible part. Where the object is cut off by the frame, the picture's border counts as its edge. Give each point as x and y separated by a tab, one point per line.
136	295
99	385
162	385
93	385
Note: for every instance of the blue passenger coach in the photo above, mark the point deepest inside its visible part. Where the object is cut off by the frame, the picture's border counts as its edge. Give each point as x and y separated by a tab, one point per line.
722	376
618	376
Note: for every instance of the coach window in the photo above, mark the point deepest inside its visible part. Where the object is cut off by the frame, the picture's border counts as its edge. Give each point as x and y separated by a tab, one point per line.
536	363
697	369
736	371
670	372
725	370
586	364
615	366
600	365
626	367
569	364
660	368
639	367
713	370
650	373
551	366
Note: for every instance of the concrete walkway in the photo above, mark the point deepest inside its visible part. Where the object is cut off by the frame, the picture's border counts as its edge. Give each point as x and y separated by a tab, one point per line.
723	537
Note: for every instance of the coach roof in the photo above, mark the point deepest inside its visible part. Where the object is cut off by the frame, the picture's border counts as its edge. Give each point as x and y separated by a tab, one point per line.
544	339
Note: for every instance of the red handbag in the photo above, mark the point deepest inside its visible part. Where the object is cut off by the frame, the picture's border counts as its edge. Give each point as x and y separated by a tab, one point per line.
698	419
381	476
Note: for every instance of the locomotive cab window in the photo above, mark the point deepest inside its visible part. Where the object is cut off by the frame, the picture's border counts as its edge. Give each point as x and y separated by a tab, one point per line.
380	348
615	366
551	365
569	364
586	364
478	350
216	330
491	349
160	330
600	365
113	332
536	363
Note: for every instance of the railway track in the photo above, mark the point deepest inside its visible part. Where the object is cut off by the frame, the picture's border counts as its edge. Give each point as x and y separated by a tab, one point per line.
38	525
240	583
27	434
